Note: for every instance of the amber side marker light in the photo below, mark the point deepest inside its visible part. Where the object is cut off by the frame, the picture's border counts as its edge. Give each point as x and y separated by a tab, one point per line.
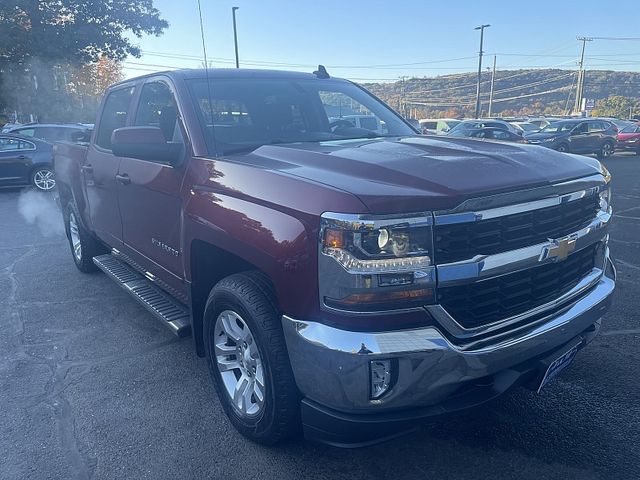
333	238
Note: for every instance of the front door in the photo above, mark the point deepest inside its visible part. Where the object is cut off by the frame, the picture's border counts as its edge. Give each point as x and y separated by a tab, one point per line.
101	167
15	160
150	200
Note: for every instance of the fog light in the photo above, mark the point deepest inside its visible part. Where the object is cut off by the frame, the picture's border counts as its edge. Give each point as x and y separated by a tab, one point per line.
380	377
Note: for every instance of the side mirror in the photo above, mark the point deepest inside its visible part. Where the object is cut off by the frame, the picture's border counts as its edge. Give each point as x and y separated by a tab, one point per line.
81	136
145	143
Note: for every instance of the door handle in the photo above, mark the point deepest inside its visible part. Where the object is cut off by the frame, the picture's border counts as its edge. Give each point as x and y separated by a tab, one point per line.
123	178
87	168
22	157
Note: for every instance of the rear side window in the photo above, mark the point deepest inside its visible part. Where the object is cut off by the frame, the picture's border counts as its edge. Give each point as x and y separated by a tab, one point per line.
595	126
27	132
114	115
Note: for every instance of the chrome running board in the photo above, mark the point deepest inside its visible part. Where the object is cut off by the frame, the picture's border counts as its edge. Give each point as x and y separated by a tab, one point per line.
170	312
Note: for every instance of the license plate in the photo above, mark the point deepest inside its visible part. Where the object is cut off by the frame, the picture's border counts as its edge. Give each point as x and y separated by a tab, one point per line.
558	365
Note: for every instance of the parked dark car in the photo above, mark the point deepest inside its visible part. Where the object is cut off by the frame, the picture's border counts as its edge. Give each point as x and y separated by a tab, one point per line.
578	136
54	132
629	139
464	127
26	161
493	133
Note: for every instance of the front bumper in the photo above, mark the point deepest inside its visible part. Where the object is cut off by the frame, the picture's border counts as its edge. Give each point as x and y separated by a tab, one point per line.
432	375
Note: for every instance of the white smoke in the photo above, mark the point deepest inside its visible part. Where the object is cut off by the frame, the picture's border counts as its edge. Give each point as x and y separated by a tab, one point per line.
40	208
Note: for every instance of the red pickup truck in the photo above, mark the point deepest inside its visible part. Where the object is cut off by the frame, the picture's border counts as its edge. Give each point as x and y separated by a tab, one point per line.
344	281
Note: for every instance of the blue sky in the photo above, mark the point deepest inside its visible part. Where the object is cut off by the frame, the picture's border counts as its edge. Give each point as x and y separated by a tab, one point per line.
378	40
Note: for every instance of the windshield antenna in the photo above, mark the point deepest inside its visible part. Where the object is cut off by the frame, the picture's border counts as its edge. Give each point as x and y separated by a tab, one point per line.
206	74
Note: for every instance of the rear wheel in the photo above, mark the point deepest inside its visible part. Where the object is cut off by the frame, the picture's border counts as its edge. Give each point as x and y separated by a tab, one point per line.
42	178
606	150
83	245
248	359
563	147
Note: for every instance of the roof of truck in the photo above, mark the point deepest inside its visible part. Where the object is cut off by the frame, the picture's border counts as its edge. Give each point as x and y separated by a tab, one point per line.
189	73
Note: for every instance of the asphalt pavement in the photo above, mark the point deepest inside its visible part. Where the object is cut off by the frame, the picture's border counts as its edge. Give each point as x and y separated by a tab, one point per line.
91	386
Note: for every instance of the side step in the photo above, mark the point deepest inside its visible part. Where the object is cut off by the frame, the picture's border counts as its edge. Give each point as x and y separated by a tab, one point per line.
169	311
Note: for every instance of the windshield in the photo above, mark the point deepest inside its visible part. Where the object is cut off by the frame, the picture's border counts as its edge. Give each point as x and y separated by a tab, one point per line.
244	114
557	127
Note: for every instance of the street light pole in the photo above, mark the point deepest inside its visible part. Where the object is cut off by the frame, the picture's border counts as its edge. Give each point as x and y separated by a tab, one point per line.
481	28
235	34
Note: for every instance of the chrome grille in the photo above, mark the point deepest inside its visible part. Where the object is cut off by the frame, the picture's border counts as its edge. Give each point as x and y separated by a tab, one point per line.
486	301
462	241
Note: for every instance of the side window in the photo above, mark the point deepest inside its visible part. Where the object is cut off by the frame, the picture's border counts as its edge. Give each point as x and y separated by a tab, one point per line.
157	108
595	126
13	145
114	115
582	128
501	134
27	132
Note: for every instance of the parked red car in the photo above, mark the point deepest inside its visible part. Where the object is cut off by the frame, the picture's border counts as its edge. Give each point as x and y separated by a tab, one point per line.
629	139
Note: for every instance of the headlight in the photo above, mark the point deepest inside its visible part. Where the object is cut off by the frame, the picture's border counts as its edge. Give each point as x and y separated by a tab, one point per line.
379	263
552	139
605	190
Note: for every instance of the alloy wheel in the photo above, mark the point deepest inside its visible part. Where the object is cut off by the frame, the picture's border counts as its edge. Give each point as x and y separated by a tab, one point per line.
607	150
43	179
75	236
239	363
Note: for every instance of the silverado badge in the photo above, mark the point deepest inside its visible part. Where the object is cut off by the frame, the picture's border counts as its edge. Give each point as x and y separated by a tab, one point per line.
558	250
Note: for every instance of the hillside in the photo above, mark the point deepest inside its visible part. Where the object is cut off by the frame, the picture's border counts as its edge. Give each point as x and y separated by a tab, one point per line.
516	92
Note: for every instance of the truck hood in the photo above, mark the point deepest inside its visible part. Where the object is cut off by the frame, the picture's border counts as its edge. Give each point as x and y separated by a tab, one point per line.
421	173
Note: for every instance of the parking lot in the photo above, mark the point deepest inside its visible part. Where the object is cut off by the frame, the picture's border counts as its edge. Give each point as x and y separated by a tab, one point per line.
93	387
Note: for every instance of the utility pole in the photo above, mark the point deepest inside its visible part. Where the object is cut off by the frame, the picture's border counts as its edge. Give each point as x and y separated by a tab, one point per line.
403	107
235	34
580	86
481	28
493	79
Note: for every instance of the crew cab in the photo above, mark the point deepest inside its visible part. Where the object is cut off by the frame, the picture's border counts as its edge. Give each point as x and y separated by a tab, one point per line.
340	281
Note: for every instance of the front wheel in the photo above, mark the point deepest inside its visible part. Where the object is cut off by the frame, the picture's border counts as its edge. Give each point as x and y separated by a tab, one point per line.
606	150
248	360
563	148
42	178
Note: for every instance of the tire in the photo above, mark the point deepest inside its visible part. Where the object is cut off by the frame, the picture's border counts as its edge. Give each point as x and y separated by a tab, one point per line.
606	150
83	245
247	300
42	179
563	148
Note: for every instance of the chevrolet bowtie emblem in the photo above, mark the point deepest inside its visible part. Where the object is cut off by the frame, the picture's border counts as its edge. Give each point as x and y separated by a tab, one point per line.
558	250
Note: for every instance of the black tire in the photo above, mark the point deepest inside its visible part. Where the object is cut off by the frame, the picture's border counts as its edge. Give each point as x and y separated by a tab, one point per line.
89	245
606	150
251	296
42	178
563	148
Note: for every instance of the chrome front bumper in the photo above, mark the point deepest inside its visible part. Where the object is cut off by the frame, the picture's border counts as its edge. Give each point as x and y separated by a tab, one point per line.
331	366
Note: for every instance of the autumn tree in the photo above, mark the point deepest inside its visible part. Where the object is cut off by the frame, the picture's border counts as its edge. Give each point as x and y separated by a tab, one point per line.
39	36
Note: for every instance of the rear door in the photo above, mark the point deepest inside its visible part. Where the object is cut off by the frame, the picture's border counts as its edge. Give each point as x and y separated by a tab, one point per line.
101	168
16	158
596	131
150	201
579	138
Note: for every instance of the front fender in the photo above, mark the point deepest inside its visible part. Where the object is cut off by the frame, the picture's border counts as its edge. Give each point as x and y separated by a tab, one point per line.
278	244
